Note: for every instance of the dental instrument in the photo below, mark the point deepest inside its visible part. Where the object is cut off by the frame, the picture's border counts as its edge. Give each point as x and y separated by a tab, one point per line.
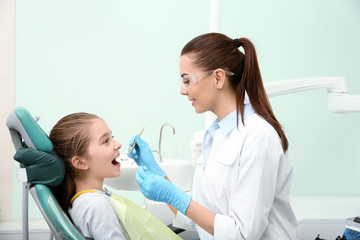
127	156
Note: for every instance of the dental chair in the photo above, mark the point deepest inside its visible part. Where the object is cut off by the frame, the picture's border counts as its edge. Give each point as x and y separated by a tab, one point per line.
38	176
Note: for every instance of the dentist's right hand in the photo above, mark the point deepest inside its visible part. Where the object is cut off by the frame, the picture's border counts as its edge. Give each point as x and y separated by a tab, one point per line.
144	157
159	189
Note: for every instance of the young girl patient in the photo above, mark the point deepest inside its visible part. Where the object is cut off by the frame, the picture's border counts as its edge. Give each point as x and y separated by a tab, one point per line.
85	144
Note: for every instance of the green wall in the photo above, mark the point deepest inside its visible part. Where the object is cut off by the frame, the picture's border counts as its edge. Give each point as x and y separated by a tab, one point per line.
119	59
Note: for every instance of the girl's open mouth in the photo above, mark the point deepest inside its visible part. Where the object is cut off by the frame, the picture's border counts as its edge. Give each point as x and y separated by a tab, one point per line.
115	162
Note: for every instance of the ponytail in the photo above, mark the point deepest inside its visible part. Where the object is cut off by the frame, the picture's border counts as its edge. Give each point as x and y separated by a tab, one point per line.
251	82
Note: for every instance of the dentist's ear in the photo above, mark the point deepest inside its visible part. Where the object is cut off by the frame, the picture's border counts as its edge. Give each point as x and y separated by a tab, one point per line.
79	163
220	77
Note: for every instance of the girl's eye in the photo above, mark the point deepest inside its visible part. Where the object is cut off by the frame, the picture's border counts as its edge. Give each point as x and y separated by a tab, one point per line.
107	140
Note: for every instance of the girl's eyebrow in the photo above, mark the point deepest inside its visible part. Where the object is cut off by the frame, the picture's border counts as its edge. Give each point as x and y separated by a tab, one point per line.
105	135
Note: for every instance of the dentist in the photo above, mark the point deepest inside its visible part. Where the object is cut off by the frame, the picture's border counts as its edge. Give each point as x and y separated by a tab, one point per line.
242	180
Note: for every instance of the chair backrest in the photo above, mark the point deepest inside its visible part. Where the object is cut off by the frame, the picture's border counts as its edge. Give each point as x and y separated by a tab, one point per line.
24	130
59	224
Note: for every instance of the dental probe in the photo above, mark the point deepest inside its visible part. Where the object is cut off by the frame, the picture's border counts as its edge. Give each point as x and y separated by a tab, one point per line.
127	156
135	141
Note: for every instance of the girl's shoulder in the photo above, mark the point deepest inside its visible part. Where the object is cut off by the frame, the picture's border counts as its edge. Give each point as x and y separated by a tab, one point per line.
91	200
88	205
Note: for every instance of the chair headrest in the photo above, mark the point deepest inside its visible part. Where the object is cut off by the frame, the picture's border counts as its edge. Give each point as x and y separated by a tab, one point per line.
20	122
34	149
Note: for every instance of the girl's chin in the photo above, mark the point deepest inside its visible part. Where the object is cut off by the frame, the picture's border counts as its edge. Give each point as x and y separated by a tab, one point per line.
115	174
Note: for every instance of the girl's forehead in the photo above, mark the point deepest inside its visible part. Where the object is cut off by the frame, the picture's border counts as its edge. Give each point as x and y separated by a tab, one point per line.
98	127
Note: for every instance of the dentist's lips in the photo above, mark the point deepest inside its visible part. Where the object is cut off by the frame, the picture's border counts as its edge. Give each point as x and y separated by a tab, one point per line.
192	101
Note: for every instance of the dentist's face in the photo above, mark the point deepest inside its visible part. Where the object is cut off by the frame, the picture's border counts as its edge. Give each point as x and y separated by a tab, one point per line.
201	91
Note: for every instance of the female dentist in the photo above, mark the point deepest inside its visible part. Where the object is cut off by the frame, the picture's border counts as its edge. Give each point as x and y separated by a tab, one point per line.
242	180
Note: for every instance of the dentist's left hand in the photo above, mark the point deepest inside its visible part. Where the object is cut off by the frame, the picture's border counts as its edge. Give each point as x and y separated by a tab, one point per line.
159	189
144	157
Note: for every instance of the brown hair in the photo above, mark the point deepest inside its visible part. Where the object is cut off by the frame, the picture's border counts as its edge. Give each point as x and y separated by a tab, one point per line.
69	137
215	50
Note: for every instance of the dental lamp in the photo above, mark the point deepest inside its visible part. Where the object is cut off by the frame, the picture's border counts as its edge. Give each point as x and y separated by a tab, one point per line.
339	100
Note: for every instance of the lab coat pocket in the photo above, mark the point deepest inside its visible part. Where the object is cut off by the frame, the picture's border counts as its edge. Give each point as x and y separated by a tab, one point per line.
227	156
230	149
224	171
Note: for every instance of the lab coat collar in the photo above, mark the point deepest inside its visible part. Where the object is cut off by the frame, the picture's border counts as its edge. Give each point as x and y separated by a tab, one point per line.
229	122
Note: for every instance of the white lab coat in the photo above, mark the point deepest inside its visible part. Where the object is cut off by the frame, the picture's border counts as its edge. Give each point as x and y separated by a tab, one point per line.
246	182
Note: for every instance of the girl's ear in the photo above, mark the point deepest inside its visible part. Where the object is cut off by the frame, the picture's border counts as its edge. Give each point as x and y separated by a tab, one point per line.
79	163
220	77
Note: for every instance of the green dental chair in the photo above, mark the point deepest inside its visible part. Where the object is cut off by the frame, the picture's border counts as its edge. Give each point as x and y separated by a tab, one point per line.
40	175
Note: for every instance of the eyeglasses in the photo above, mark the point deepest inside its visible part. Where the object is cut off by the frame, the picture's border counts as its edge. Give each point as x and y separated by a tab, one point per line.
187	80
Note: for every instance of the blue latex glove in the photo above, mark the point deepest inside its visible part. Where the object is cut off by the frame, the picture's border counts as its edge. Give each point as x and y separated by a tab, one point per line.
159	189
144	157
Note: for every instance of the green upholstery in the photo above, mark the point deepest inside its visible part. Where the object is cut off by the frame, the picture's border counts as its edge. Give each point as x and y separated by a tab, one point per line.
23	128
35	132
61	226
43	167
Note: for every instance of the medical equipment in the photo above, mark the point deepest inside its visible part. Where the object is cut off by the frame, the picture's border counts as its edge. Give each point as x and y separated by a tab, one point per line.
338	238
146	160
135	141
339	100
352	230
127	156
25	131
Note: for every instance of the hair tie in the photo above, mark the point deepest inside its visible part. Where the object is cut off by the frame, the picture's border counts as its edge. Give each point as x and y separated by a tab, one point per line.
237	43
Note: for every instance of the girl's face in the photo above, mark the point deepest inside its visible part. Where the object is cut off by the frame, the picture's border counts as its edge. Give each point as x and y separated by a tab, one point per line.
102	152
201	92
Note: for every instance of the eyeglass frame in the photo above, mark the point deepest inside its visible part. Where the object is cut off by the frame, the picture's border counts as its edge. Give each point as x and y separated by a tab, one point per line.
193	78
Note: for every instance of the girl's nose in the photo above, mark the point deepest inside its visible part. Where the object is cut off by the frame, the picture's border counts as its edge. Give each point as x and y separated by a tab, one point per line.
117	145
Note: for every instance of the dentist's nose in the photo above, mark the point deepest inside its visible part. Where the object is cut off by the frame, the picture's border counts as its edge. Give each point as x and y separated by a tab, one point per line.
183	91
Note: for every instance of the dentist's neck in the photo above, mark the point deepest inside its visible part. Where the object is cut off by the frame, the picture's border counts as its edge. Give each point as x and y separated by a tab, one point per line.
225	105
